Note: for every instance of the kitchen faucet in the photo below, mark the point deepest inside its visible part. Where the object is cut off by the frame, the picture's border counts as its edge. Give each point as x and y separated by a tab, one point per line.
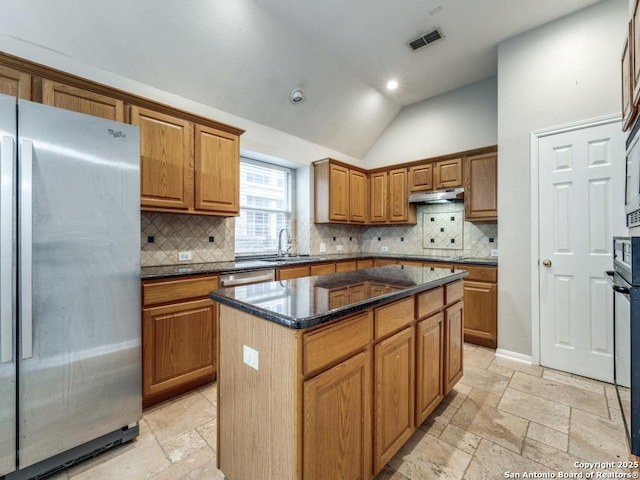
289	243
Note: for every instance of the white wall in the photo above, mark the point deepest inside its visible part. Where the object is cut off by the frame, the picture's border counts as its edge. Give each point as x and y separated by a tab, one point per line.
460	120
565	71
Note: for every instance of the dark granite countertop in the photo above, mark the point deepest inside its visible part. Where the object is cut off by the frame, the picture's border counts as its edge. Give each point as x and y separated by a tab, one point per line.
148	273
305	302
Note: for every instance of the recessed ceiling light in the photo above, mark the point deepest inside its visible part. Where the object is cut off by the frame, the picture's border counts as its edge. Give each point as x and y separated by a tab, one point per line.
392	85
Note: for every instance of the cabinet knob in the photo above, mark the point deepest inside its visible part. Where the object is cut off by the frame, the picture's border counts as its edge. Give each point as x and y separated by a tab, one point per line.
547	263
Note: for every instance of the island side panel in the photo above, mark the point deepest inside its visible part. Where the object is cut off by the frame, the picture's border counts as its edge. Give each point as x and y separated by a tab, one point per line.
256	408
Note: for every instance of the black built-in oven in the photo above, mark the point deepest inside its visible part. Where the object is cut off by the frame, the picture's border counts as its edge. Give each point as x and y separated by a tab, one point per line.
625	283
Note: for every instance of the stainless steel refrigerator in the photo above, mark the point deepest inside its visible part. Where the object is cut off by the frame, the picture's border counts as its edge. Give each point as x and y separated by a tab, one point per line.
70	362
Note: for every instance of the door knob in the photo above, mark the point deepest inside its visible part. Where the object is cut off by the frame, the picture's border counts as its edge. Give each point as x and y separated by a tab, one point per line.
546	263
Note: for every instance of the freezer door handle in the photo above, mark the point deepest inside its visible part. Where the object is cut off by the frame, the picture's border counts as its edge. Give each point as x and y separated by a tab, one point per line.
26	248
7	175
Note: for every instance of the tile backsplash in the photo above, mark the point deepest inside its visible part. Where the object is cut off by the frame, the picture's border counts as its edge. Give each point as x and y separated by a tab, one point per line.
478	239
172	233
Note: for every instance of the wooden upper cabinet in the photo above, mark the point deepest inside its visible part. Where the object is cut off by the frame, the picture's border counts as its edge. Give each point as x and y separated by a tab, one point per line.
481	187
421	177
82	101
398	196
15	83
447	174
166	160
628	74
217	171
378	197
339	193
357	196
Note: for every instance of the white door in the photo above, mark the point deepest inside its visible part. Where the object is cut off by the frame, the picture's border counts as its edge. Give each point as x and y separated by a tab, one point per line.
581	207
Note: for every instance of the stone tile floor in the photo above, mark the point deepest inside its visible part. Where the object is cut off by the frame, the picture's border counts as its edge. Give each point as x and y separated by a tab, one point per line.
503	417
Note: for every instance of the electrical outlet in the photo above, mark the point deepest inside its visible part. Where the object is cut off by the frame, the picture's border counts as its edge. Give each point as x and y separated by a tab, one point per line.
323	247
494	253
339	248
250	357
384	249
184	256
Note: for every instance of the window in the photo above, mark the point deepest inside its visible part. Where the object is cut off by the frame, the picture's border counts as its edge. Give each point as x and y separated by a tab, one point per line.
265	207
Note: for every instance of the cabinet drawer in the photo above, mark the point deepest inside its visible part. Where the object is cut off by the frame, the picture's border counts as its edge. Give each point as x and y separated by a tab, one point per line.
323	269
429	302
346	266
177	290
336	342
453	292
293	272
480	274
392	317
365	263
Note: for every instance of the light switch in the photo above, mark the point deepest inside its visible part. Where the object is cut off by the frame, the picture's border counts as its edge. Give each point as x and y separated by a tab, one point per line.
250	357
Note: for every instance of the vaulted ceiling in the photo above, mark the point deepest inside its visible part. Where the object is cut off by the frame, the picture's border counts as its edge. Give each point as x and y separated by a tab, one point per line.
245	56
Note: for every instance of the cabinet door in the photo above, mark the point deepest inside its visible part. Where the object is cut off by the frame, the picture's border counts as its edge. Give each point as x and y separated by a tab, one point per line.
481	188
178	346
338	193
337	422
166	160
378	198
429	383
481	313
448	174
217	171
357	196
72	98
394	395
15	83
421	178
453	343
398	196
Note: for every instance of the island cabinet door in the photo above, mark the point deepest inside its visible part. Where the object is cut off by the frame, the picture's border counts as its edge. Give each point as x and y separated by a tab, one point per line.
429	386
453	343
394	395
337	422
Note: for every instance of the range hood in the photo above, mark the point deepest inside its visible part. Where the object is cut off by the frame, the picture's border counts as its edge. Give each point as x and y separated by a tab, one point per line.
438	196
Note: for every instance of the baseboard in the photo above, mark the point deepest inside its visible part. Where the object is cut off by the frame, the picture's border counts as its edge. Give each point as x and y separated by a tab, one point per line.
519	357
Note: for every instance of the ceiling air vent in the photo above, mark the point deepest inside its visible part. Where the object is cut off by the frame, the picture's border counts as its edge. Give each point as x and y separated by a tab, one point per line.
426	39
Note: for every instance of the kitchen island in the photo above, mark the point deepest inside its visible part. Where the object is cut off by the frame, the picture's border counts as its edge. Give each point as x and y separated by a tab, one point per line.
328	376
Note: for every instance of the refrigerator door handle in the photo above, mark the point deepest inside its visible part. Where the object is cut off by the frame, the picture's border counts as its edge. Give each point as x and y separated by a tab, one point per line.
7	186
26	248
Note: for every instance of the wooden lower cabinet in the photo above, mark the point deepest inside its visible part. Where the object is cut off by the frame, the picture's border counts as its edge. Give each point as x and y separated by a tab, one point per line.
429	371
453	345
394	395
337	422
178	338
347	394
481	306
480	313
